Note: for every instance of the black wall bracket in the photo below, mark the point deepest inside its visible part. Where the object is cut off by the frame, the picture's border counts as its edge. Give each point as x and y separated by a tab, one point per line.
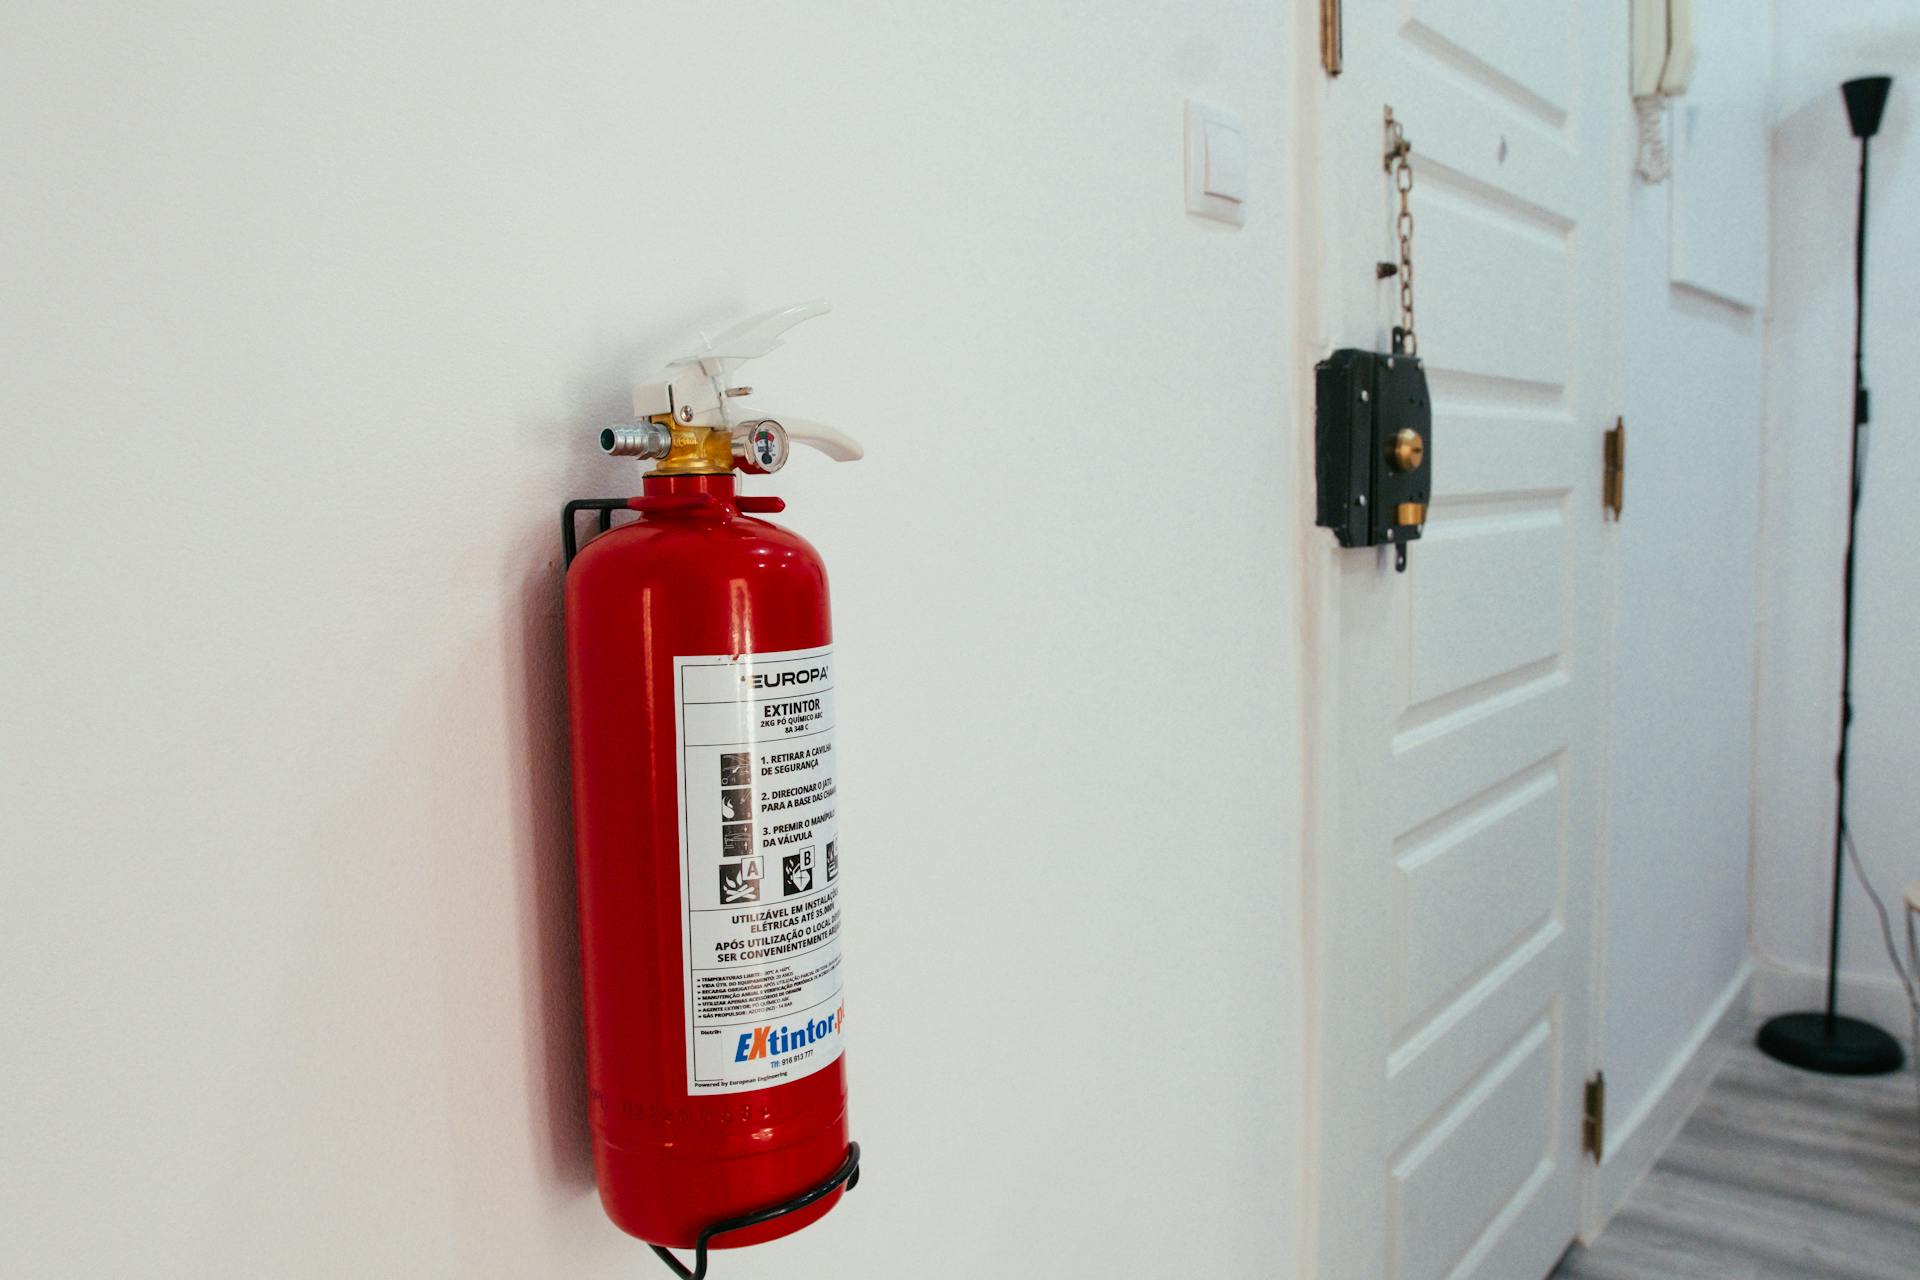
848	1174
570	529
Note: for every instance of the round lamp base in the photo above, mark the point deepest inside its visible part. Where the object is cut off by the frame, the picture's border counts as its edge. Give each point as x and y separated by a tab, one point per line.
1836	1046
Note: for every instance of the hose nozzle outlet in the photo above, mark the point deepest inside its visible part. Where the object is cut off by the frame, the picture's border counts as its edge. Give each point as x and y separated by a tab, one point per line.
637	440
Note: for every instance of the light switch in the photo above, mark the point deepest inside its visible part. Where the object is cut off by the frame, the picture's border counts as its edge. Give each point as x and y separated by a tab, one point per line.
1216	164
1226	162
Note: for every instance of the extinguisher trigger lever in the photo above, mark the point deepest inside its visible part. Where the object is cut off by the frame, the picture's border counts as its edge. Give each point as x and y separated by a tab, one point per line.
691	420
695	389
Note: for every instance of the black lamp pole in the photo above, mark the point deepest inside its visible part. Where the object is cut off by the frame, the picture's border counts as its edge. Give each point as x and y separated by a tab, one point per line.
1829	1042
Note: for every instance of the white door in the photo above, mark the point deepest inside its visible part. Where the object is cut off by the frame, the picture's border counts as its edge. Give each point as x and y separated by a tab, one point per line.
1461	706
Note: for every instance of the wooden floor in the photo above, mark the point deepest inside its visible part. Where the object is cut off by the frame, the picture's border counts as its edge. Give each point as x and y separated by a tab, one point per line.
1778	1174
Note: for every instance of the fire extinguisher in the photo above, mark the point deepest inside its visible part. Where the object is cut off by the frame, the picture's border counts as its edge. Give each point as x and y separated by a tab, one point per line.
700	680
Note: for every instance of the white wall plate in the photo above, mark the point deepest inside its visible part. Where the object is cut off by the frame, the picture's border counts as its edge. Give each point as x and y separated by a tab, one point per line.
1216	164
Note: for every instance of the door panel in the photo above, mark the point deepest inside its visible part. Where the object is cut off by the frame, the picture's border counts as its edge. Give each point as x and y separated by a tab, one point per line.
1514	154
1448	933
1465	243
1464	700
1523	43
1485	1155
1491	597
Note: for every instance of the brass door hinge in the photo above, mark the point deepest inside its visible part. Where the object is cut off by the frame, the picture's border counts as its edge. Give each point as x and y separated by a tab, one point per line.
1613	488
1330	36
1593	1118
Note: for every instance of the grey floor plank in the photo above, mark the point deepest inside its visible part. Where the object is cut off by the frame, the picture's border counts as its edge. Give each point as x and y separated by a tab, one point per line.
1777	1175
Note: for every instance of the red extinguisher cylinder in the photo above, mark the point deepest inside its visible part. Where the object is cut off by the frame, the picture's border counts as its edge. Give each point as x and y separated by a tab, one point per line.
699	659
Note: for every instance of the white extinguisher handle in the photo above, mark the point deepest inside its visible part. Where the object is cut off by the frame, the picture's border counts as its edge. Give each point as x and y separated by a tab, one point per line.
832	441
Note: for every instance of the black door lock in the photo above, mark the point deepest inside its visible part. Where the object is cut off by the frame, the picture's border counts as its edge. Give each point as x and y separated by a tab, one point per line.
1373	427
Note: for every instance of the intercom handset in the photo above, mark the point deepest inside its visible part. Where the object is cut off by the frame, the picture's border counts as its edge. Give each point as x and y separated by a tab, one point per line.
1663	48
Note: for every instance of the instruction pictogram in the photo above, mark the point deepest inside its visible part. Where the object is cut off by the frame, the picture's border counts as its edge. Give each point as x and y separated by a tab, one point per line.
740	881
799	871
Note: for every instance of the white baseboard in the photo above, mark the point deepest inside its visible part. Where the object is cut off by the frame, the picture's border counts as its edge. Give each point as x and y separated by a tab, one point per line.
1635	1142
1873	996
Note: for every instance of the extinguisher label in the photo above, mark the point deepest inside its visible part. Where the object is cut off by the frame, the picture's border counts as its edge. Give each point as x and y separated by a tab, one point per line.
759	867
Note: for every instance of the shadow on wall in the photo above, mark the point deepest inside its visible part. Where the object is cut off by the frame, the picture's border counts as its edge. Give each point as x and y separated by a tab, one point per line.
556	1068
536	695
537	692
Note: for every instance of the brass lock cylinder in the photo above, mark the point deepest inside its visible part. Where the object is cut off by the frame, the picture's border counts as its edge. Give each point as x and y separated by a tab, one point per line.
1406	452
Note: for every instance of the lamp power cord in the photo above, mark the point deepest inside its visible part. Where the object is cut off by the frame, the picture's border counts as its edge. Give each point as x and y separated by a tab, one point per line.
1909	978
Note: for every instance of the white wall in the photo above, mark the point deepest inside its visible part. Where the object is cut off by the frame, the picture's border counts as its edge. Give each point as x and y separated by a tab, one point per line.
1675	876
309	312
1809	386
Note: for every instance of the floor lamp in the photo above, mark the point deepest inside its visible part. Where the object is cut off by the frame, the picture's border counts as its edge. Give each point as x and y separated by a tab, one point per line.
1828	1042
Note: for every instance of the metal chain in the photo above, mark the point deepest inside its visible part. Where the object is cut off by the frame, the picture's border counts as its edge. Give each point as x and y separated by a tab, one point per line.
1400	165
